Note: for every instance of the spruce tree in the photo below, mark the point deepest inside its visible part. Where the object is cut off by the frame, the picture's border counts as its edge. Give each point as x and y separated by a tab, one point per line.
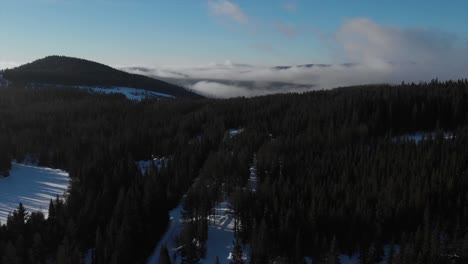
164	255
237	256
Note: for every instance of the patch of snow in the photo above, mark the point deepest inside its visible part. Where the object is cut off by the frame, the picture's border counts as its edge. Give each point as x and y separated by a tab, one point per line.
221	234
134	94
158	163
345	259
89	256
31	185
131	93
244	256
420	136
169	238
387	249
354	259
234	132
252	183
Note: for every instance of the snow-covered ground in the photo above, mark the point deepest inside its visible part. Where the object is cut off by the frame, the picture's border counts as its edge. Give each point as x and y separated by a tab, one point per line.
134	94
252	183
169	238
131	93
234	132
220	234
31	185
420	136
354	259
158	163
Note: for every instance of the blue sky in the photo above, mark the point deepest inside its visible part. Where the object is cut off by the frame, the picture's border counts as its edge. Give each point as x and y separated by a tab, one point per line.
192	32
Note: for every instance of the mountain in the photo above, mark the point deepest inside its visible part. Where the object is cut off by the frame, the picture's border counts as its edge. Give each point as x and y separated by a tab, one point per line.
61	70
309	66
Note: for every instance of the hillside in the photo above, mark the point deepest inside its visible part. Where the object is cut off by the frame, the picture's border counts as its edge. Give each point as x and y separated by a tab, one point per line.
355	174
73	71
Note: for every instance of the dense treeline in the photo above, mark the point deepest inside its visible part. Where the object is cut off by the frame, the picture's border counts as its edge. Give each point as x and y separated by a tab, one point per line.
73	71
332	175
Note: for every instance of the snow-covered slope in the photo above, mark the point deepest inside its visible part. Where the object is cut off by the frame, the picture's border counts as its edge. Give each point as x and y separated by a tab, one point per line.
130	93
31	185
134	94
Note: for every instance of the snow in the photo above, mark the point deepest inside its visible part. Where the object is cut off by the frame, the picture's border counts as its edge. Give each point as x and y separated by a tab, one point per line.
354	259
134	94
31	185
131	93
420	136
89	256
158	163
169	238
220	234
234	132
252	182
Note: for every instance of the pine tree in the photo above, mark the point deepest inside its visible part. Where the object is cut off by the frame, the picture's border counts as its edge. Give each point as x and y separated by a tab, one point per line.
5	163
37	253
332	256
237	256
10	255
164	255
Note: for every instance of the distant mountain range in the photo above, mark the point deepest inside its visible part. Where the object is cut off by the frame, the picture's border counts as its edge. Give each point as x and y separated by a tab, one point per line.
61	70
311	66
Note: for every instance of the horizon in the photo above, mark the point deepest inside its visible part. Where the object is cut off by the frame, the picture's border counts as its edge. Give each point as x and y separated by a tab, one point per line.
215	41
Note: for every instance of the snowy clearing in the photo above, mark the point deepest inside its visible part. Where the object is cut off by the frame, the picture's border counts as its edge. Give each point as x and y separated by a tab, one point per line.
31	185
131	93
134	94
220	234
234	132
158	163
421	136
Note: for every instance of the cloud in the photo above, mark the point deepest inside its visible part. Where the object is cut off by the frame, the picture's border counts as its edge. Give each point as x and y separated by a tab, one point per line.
377	53
286	29
364	40
215	89
227	9
221	90
410	54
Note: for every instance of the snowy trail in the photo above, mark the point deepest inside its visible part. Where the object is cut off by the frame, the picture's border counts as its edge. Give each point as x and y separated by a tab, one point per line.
169	237
220	234
31	185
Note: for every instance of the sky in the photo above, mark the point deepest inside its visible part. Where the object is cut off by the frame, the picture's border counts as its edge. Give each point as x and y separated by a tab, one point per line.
192	32
218	39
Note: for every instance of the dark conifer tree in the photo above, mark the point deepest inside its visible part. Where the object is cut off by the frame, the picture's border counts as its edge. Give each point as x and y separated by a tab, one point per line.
164	257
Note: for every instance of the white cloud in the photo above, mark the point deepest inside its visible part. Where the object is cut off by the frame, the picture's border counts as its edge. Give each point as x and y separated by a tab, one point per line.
380	53
365	41
227	9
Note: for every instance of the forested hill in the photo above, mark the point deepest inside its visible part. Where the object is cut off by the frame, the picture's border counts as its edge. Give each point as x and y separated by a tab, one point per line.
336	172
73	71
